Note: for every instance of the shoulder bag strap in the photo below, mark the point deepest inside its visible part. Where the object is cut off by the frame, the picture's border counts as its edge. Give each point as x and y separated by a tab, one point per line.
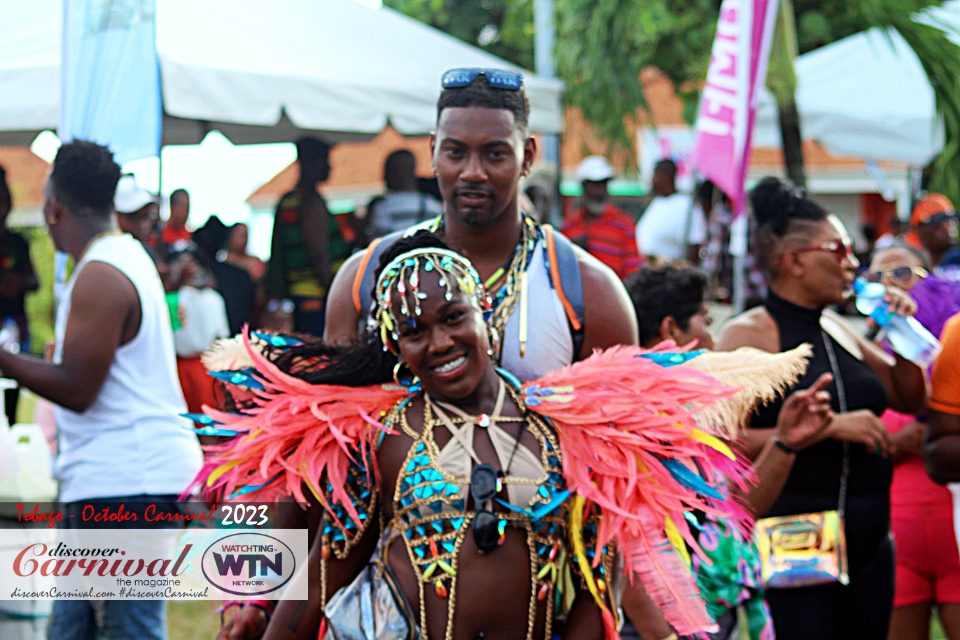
842	400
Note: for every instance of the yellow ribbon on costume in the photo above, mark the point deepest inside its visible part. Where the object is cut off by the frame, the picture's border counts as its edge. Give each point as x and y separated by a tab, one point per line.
579	550
676	539
713	442
219	471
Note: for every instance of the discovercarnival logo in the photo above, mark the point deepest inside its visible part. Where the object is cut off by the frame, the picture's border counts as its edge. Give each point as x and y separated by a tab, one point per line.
248	564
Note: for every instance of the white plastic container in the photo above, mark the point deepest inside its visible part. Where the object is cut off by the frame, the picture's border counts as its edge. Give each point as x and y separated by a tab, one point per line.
26	464
30	477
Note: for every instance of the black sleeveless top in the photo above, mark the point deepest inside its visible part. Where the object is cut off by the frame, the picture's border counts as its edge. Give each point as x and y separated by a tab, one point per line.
814	482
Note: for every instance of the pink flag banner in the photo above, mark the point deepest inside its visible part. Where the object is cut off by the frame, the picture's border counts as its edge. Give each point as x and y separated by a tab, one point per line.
728	104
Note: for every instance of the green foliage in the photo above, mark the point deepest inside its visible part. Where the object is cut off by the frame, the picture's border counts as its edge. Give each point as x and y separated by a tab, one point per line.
603	45
940	58
501	27
40	307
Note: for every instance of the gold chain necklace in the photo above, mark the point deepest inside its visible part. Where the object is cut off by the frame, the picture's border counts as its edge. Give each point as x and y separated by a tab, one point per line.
514	289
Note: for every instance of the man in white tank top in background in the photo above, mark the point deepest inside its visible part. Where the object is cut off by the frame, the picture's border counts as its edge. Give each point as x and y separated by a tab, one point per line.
114	379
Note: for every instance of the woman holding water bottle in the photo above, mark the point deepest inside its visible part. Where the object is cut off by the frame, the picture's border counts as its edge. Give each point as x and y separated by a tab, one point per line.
810	266
928	565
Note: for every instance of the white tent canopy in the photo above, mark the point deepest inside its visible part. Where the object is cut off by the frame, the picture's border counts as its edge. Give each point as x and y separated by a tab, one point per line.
263	71
865	95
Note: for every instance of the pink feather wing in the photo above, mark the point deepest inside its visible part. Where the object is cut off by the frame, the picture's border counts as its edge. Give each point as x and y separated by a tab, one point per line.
298	432
618	416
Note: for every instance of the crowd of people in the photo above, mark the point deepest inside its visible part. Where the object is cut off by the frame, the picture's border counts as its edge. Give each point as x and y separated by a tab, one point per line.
534	386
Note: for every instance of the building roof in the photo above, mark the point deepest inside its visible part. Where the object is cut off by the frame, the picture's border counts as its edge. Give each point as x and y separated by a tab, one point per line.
26	173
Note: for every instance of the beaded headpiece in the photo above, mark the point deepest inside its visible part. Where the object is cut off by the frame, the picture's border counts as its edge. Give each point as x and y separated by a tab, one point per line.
402	274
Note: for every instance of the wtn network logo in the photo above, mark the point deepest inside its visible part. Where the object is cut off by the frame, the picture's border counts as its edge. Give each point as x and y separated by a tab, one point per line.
248	564
233	564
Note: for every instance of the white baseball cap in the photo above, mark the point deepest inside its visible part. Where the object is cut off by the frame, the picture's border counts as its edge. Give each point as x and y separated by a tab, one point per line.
131	197
595	169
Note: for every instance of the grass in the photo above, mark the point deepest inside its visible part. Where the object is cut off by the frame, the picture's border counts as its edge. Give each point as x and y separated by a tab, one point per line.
188	619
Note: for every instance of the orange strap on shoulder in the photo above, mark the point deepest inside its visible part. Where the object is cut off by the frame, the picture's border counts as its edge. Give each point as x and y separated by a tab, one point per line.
555	277
362	269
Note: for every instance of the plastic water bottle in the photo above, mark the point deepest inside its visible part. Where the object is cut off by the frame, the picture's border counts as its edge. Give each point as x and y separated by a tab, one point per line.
10	336
906	335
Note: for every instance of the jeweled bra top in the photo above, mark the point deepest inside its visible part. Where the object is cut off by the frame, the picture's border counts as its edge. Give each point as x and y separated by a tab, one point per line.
430	505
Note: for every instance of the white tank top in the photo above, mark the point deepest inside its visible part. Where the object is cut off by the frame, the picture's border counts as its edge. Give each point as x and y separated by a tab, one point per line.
549	343
130	441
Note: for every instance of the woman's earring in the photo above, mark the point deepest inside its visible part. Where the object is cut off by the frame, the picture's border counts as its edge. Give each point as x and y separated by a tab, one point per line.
494	349
410	382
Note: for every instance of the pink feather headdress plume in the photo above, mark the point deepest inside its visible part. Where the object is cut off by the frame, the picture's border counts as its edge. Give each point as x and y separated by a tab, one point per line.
633	443
296	433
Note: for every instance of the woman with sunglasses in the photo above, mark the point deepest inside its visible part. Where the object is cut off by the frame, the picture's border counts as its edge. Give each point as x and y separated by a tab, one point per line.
483	508
921	511
810	266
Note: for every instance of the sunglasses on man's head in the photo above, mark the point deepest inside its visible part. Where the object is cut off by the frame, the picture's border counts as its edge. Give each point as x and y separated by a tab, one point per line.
840	250
496	78
487	527
938	218
897	274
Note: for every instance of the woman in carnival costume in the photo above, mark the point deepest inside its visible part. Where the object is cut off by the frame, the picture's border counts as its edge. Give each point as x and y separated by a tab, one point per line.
460	503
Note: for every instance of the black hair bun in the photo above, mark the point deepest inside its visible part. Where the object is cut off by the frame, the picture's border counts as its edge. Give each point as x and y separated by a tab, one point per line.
776	202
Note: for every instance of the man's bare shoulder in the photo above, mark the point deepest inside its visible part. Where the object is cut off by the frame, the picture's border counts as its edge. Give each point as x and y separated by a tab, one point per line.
752	328
595	273
609	318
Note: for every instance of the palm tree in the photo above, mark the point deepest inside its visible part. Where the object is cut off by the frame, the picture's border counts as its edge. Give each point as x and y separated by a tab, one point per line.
929	39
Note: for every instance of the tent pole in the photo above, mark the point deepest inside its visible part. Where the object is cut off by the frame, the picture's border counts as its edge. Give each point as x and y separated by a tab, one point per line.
543	43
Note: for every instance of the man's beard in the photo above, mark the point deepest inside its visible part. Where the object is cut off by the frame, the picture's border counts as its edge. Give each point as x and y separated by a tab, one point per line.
474	218
477	217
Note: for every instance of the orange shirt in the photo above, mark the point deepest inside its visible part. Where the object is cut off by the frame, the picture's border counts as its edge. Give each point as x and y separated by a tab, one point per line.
945	396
